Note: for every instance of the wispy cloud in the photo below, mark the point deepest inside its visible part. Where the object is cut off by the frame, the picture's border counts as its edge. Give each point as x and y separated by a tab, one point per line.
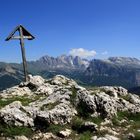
82	52
104	53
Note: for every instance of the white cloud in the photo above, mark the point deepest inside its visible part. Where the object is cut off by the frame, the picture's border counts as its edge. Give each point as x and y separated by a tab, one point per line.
105	53
82	52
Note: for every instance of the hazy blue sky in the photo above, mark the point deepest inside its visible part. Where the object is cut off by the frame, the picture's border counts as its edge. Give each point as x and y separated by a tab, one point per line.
101	27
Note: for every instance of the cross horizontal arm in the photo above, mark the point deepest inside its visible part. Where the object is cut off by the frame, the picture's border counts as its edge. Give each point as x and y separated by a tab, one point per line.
19	37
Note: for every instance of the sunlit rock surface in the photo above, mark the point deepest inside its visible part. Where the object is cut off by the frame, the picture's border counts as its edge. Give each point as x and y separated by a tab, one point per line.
59	108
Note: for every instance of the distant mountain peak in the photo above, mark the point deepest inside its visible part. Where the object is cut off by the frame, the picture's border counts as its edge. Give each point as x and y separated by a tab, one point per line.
124	60
64	61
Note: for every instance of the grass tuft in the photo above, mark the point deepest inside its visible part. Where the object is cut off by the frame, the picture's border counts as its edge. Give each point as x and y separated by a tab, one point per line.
50	106
10	131
73	96
24	100
55	129
86	136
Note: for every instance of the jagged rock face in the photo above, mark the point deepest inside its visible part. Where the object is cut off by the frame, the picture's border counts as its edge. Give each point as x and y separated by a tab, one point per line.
40	103
62	62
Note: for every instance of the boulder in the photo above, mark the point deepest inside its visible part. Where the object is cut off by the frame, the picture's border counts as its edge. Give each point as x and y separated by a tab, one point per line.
131	136
36	80
115	91
90	126
65	133
15	91
13	114
106	137
84	97
44	136
134	99
20	138
106	105
60	114
109	137
62	80
45	89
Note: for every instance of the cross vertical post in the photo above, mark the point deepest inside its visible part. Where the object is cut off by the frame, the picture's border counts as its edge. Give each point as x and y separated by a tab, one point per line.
23	54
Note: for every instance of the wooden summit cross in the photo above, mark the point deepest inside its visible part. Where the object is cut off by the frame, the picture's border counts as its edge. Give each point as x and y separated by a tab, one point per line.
23	34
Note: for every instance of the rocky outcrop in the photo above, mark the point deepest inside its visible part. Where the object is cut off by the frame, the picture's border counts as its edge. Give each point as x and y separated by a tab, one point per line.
14	114
65	133
107	137
60	102
44	136
60	114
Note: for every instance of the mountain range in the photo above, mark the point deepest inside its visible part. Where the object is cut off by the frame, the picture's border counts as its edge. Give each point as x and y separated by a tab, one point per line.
114	71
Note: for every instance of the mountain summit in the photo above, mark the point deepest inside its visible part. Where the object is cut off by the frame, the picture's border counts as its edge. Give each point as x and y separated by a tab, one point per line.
60	109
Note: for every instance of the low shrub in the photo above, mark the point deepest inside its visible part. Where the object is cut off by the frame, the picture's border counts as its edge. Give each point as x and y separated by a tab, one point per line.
10	131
